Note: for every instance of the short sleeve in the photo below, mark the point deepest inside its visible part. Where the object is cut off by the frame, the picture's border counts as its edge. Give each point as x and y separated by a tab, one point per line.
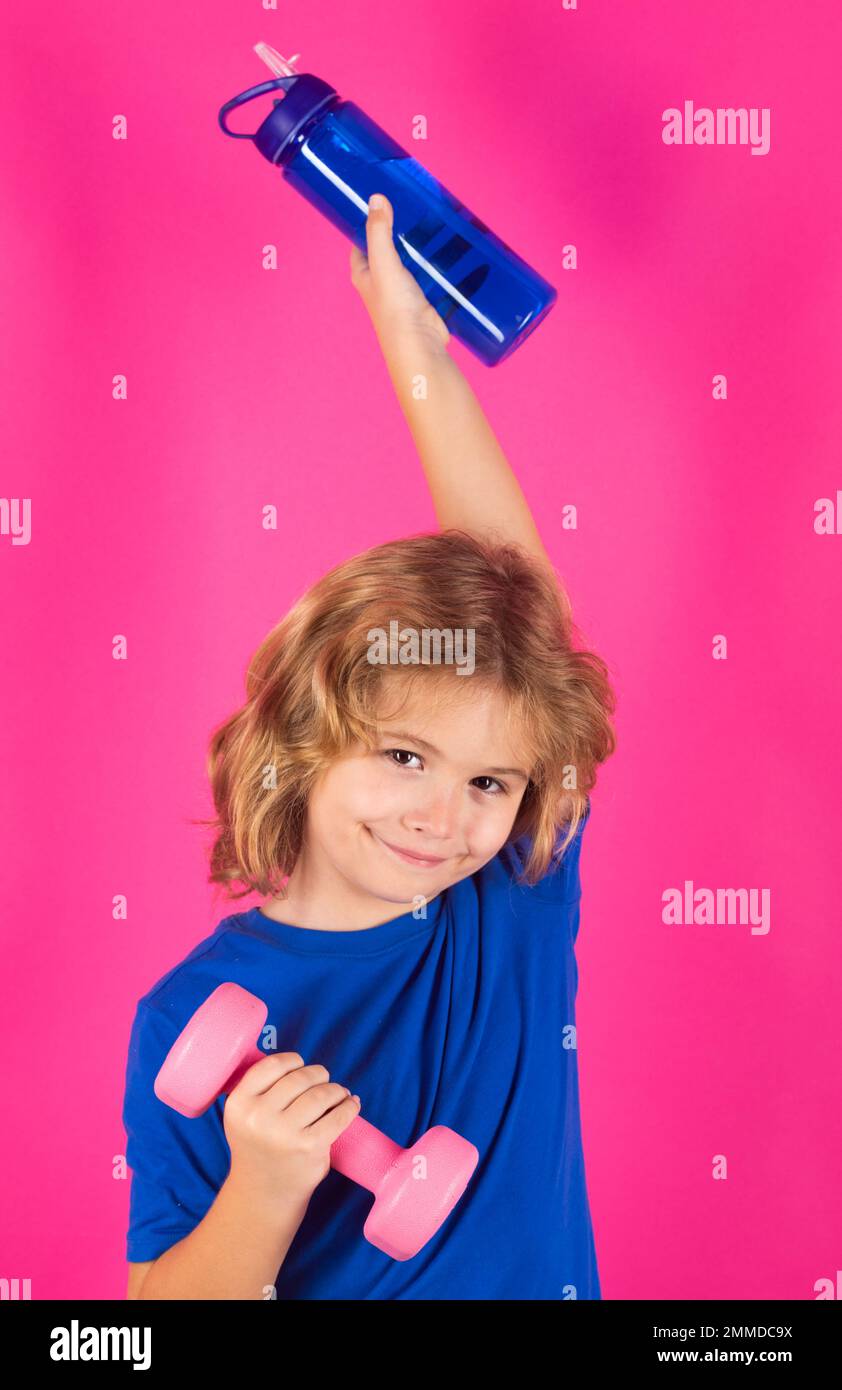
178	1164
561	883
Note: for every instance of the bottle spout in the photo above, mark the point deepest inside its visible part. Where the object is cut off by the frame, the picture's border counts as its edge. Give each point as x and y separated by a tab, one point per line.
280	66
297	96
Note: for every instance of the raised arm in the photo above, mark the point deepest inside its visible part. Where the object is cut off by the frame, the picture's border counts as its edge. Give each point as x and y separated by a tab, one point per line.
470	480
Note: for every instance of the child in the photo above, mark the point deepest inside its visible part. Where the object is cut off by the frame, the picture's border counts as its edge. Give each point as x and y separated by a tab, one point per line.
414	828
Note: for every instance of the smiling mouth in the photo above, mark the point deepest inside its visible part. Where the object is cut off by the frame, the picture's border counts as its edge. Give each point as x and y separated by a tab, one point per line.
418	861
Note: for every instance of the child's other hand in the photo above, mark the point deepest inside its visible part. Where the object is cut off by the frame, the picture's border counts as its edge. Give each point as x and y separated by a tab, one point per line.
396	304
280	1121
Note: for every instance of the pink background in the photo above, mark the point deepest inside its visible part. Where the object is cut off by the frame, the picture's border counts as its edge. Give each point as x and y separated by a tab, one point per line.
249	387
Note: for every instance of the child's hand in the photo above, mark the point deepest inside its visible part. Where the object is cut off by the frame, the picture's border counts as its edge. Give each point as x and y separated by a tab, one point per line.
280	1121
396	304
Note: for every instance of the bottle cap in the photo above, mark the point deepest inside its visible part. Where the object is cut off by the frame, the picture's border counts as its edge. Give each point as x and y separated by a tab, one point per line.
304	96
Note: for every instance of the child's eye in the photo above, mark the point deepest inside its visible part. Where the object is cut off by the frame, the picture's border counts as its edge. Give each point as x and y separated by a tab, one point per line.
387	753
390	753
501	789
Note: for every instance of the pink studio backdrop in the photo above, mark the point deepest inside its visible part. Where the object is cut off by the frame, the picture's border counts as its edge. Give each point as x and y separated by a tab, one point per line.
249	387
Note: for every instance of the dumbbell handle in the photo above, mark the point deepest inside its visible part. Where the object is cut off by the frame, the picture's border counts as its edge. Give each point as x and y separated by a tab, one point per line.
362	1152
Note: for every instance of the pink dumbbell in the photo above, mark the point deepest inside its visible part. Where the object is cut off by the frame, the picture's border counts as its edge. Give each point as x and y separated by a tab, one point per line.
217	1047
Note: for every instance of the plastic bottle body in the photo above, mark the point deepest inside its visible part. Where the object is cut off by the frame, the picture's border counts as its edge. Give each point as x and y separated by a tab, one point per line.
487	295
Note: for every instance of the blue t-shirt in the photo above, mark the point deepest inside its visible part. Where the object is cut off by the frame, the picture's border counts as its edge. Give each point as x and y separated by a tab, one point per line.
463	1018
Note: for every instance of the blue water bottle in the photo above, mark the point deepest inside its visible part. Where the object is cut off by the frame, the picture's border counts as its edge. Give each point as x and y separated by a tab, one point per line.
336	157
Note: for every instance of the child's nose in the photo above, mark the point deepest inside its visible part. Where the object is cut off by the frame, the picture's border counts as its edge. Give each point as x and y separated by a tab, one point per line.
438	816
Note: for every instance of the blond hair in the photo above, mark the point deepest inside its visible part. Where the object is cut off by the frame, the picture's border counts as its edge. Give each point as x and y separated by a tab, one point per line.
312	691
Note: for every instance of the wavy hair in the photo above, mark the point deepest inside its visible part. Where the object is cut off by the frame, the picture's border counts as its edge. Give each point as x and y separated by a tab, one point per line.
312	691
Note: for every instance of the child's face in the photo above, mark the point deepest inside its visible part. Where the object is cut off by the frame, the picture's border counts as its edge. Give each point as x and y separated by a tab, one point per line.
454	801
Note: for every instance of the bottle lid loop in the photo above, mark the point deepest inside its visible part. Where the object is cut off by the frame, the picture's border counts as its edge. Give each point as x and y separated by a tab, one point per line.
252	92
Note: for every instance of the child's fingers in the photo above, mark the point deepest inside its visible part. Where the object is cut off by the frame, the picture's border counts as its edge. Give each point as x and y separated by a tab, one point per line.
359	267
383	258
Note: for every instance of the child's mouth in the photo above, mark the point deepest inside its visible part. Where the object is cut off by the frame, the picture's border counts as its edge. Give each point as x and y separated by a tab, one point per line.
418	861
